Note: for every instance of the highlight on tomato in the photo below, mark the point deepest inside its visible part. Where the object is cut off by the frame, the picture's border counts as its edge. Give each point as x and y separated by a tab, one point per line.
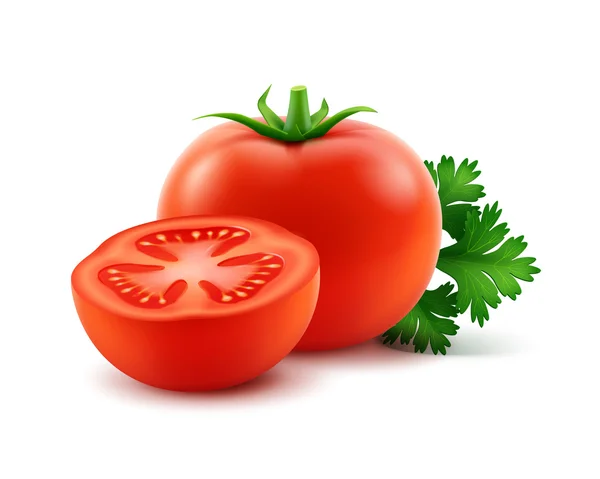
357	192
199	302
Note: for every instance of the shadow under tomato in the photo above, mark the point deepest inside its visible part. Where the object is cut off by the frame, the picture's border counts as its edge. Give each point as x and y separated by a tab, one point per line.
278	383
369	355
294	377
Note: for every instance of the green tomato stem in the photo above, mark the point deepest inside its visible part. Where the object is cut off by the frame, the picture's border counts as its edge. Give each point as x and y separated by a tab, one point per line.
300	125
298	117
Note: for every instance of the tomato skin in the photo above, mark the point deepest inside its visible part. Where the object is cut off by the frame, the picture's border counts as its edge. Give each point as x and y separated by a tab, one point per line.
359	194
194	346
200	354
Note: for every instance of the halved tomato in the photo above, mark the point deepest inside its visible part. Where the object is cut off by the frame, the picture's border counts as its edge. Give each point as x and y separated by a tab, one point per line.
198	302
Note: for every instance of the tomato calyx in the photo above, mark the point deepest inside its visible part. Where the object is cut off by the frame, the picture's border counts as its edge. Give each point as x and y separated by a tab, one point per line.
299	125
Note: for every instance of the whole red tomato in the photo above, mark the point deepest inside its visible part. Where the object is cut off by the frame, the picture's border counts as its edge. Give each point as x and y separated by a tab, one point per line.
357	192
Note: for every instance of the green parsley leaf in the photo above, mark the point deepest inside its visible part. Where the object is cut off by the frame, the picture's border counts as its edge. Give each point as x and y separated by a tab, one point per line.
456	192
428	322
481	273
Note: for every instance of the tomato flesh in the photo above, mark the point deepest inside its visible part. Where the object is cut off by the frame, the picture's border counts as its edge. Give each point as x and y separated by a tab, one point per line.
169	302
189	255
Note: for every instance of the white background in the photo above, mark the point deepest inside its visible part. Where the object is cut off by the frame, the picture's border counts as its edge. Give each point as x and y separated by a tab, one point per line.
96	103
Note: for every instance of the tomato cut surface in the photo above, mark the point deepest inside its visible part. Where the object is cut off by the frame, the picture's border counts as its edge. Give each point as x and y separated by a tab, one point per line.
198	302
188	255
